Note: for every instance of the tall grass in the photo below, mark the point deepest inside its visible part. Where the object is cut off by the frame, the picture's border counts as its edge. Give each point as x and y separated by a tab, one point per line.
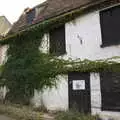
74	115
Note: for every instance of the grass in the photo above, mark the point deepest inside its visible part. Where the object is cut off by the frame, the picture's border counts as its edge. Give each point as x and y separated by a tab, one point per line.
74	115
20	112
27	113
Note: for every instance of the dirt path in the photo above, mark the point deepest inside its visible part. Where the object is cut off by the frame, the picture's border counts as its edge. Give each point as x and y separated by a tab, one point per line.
45	117
2	117
48	117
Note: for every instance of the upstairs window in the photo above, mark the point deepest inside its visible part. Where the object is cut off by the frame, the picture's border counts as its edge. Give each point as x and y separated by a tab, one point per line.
110	26
110	91
57	41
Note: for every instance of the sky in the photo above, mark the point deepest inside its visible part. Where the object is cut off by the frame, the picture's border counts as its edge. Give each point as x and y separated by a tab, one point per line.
12	9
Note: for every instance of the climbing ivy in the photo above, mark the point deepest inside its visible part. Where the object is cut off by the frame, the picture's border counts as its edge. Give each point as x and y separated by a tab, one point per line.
27	68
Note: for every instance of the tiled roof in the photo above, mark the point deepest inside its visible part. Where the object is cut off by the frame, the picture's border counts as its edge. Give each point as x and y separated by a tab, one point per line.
19	24
52	8
57	7
22	21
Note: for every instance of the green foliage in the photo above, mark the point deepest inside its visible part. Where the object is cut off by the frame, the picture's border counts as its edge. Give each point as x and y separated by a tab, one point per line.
27	69
74	115
106	65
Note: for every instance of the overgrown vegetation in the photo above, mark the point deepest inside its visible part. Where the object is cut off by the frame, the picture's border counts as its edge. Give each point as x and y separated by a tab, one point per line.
27	69
74	115
27	113
20	112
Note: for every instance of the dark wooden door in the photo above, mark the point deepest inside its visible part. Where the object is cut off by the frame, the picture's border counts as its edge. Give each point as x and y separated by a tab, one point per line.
110	91
79	91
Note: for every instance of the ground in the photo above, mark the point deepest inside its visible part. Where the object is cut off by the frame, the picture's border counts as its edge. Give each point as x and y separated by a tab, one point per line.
2	117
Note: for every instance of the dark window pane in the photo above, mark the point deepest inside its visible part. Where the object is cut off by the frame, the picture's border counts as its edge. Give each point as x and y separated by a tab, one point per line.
110	89
110	26
57	41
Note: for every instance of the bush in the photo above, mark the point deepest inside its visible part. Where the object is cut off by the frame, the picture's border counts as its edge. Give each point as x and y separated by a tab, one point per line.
74	115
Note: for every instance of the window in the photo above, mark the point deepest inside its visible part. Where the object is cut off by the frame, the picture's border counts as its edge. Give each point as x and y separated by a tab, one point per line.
110	26
57	41
110	89
30	16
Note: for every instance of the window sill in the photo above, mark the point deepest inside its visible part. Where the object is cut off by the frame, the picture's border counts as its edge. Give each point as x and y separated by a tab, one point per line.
58	55
109	45
111	109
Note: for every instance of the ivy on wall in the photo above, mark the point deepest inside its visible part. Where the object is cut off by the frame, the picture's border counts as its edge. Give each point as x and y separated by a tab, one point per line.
27	68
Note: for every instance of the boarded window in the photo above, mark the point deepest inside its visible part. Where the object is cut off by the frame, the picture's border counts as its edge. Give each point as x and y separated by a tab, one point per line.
110	89
57	41
110	26
30	16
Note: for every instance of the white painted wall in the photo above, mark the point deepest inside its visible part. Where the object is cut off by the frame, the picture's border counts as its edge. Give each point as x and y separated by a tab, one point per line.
87	29
95	93
96	99
55	98
44	47
3	54
3	59
5	26
83	40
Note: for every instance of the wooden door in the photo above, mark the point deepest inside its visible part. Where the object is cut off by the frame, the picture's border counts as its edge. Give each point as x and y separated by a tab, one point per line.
79	91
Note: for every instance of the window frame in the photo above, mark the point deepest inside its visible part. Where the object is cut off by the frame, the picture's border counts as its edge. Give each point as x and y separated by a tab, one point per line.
100	11
56	53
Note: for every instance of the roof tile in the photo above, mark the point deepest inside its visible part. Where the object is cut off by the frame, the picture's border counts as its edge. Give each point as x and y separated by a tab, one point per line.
51	8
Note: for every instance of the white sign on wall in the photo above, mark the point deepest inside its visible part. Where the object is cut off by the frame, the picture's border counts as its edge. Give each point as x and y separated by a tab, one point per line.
78	84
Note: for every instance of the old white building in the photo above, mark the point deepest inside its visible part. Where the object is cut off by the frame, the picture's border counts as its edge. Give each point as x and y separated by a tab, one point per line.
92	35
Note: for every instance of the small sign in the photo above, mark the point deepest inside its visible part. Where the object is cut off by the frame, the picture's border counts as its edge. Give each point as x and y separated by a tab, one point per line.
78	84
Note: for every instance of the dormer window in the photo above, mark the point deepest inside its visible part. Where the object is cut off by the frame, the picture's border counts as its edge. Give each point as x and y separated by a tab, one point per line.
30	16
110	26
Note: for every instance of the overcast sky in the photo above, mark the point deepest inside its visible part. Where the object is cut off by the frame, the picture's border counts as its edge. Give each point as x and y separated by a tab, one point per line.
12	9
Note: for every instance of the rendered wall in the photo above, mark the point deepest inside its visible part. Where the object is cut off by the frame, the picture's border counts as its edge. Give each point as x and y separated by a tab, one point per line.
55	98
96	99
5	26
83	40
